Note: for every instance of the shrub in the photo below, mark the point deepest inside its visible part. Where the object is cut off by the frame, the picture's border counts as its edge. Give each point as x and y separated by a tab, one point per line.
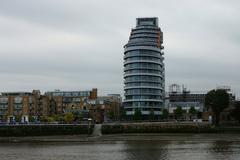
69	117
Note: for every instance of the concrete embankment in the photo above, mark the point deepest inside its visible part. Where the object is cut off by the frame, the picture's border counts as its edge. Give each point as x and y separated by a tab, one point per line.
96	131
228	129
45	130
157	127
113	138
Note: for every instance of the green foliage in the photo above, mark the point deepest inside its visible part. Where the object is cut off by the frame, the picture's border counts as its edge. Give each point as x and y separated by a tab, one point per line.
50	119
44	118
110	115
178	112
18	118
217	100
192	111
80	116
31	119
236	112
123	114
58	118
4	118
165	114
137	114
151	115
199	114
69	117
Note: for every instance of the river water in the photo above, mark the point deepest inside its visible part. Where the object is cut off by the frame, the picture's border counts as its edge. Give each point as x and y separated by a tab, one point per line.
200	147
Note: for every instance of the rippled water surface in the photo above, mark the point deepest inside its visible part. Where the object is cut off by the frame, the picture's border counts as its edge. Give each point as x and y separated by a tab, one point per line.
124	150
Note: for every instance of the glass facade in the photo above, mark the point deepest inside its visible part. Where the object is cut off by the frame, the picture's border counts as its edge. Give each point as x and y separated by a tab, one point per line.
144	68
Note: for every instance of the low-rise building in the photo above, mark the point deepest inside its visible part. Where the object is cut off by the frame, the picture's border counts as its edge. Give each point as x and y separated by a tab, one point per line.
177	97
31	106
71	101
105	108
19	106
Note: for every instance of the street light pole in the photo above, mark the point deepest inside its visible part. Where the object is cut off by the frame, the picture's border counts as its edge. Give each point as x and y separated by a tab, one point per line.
89	122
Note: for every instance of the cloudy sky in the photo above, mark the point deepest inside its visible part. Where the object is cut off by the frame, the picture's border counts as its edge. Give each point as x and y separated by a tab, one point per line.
78	44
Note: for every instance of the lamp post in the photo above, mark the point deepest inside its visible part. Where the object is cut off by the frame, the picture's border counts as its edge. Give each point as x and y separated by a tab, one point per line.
89	122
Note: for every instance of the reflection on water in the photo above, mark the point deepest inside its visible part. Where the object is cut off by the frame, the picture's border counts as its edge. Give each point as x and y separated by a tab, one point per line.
146	150
123	150
224	150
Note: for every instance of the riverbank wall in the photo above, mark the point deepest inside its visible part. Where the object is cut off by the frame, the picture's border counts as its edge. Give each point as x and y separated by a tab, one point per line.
157	127
29	130
44	130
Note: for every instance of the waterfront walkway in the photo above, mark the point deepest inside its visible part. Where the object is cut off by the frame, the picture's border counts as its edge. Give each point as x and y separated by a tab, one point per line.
97	130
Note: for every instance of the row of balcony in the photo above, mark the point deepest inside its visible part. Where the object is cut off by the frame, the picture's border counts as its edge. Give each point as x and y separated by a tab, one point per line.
143	61
142	74
139	100
135	54
141	47
158	68
144	31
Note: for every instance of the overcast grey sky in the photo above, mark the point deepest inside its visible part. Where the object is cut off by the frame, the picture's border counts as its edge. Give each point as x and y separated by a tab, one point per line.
78	44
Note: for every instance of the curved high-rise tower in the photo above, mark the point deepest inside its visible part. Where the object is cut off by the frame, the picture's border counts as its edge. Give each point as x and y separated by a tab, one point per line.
144	69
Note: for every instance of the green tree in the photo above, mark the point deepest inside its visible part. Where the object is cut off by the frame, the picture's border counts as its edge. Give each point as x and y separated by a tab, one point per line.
44	118
80	116
123	114
151	115
50	119
58	118
199	114
236	112
137	114
110	114
178	112
31	119
192	112
217	100
69	117
165	114
5	117
18	118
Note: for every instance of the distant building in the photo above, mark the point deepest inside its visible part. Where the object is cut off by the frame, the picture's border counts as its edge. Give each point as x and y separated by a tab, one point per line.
144	69
180	96
67	101
21	105
184	98
105	108
86	102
